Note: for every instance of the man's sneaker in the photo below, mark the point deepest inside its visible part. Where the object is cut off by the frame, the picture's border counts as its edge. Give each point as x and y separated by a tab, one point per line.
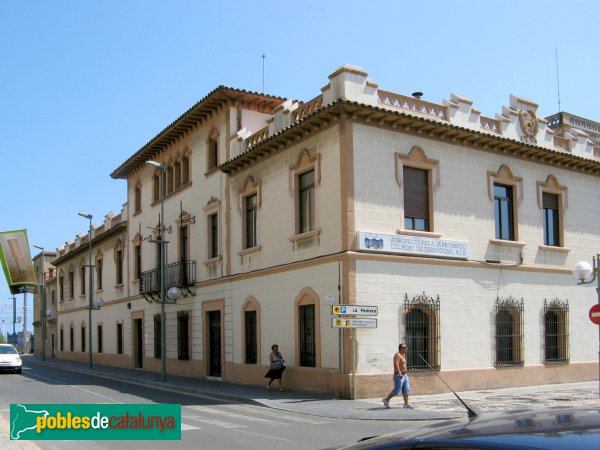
407	406
386	403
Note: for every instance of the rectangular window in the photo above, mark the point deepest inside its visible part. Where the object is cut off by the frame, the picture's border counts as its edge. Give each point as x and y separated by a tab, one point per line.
250	209
72	338
185	170
83	339
82	280
416	199
503	212
251	338
155	188
213	154
53	297
183	243
138	261
99	274
177	174
61	287
99	338
551	219
71	285
137	198
120	338
306	202
307	336
183	335
119	266
213	238
157	336
62	340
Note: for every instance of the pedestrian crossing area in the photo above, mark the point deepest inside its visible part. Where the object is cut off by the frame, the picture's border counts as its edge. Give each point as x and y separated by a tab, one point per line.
239	416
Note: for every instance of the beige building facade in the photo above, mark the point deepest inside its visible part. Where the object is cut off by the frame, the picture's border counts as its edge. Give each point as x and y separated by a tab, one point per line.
457	231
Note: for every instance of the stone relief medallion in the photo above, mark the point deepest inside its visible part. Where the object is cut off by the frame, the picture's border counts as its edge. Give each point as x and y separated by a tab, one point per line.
529	125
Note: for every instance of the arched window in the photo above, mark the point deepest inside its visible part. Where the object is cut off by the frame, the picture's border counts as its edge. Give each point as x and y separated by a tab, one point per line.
509	332
308	328
556	331
422	332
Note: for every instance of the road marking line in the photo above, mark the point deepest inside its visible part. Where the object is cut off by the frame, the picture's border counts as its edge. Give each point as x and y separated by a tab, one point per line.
100	395
263	435
218	423
218	412
277	413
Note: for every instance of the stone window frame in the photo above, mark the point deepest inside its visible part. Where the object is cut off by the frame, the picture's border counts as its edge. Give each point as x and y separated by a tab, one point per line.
504	176
251	304
307	296
212	150
250	187
417	158
213	207
119	250
552	186
304	163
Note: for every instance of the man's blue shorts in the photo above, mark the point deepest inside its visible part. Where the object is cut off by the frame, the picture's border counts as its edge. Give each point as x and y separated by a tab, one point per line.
401	383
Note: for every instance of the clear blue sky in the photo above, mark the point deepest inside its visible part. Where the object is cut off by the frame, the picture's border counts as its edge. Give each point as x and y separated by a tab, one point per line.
85	84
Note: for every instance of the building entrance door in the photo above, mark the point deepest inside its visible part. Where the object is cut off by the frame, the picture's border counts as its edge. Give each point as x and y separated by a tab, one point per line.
214	343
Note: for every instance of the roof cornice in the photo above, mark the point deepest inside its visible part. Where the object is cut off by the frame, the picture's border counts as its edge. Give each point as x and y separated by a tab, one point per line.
407	123
201	111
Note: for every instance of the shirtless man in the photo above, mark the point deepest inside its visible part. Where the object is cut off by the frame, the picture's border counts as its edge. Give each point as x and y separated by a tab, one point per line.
401	382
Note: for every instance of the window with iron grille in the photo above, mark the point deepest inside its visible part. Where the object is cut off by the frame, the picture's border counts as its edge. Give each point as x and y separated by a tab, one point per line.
422	332
157	335
556	331
183	335
509	332
251	338
120	338
307	336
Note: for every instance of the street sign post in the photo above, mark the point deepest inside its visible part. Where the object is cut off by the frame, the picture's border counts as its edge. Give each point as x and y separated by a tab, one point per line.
595	314
341	322
351	310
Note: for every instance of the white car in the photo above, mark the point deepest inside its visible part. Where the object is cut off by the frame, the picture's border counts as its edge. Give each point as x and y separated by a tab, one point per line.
9	358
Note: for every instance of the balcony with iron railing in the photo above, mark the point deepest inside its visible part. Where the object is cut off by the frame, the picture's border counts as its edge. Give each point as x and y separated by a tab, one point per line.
181	274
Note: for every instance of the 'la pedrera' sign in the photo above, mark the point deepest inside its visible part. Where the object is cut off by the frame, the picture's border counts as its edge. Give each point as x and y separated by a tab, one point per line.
412	245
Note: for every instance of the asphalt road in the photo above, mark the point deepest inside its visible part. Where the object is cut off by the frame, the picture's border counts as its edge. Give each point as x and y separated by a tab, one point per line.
207	423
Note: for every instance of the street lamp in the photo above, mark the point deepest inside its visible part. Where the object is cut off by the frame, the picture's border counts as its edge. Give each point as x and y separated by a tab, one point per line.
91	286
582	271
163	289
43	304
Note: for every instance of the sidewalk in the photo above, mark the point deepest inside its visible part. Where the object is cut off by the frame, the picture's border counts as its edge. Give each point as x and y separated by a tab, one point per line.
427	407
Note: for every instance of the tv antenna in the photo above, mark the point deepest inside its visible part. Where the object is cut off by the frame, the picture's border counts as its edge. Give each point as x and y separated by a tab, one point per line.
557	78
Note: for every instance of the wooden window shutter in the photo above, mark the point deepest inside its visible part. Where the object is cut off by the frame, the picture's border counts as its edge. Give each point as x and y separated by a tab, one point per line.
416	193
549	201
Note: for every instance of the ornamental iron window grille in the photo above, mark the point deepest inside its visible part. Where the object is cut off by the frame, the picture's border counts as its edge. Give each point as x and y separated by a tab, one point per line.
307	336
509	332
422	331
183	335
556	331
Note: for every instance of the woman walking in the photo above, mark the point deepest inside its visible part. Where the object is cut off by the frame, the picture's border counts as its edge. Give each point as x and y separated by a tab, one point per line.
276	367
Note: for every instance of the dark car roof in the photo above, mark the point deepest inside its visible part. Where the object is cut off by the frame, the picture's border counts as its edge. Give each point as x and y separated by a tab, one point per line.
547	428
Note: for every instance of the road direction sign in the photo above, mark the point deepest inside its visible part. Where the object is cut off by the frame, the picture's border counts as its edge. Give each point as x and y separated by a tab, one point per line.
351	310
595	314
341	322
